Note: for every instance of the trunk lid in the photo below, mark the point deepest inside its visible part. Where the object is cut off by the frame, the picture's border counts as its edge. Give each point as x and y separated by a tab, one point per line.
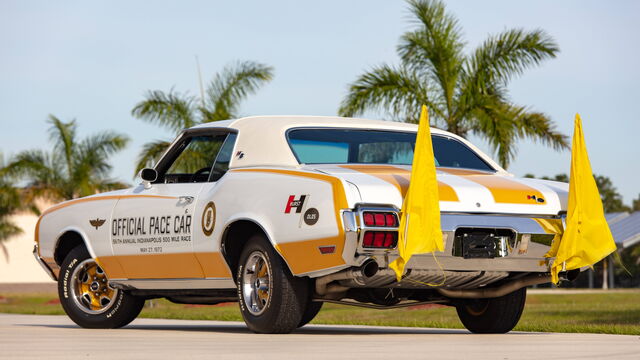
460	190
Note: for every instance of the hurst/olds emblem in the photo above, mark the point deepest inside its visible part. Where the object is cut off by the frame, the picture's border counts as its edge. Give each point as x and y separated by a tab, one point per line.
209	218
97	222
294	203
534	198
311	216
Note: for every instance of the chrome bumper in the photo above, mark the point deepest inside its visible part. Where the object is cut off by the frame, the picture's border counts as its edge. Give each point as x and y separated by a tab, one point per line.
42	263
524	251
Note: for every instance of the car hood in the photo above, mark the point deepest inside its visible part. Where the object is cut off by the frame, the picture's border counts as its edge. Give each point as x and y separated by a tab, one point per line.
460	190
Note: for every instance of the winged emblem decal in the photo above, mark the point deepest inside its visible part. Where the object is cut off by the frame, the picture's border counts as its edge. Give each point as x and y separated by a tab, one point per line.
97	222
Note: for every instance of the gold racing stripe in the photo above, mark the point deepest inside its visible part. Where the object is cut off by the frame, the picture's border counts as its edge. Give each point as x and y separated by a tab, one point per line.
304	256
504	190
399	178
165	266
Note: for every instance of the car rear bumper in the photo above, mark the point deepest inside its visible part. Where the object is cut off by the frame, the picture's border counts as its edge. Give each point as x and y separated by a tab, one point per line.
523	251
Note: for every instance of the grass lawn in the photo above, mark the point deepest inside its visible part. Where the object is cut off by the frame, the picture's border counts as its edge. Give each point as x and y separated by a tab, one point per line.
611	313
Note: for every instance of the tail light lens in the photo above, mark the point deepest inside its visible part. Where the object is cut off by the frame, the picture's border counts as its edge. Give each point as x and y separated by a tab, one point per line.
380	239
380	219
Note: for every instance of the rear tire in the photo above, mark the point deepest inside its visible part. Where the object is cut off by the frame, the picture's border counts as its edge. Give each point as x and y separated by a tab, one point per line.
492	316
87	297
271	299
313	308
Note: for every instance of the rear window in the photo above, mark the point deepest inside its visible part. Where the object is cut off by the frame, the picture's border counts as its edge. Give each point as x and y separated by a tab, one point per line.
355	146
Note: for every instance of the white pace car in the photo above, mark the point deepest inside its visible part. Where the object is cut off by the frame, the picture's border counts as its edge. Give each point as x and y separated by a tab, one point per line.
284	213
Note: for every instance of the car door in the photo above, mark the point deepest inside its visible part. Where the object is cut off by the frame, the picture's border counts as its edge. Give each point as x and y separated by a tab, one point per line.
153	227
208	227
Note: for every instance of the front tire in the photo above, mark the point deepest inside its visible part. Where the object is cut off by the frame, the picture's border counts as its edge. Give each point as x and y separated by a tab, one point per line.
88	298
271	299
492	316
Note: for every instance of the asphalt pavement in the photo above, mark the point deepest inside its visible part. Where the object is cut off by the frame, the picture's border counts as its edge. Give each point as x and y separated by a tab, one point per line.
56	337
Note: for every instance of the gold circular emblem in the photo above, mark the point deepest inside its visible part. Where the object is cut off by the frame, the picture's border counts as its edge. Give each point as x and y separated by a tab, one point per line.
209	218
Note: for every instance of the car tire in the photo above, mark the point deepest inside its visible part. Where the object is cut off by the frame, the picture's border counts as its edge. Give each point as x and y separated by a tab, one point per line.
313	308
87	297
492	316
272	300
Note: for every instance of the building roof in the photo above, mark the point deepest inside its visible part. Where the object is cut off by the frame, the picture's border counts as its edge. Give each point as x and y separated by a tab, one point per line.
625	228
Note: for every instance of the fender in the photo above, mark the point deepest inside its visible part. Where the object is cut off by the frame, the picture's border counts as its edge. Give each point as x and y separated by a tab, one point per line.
82	235
256	220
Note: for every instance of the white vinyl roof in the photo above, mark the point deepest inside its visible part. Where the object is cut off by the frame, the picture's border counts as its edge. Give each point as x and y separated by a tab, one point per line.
262	139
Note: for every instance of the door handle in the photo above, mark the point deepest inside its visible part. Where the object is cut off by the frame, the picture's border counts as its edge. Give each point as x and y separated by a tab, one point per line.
186	199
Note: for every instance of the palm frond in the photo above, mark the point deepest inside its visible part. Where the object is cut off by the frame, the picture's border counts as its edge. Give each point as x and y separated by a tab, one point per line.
150	154
231	86
37	166
508	54
435	47
8	229
63	137
92	157
171	110
399	91
496	124
110	184
539	127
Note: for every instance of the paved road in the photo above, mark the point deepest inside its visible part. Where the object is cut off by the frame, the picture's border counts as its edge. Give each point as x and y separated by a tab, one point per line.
49	337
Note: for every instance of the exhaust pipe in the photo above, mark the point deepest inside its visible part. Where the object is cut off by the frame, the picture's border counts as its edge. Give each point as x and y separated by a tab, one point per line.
497	291
359	275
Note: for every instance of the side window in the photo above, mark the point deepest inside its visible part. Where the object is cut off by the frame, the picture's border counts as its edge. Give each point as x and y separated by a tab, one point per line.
320	152
224	157
192	159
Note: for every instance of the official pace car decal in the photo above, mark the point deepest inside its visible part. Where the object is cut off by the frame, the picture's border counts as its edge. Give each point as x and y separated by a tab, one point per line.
151	234
209	218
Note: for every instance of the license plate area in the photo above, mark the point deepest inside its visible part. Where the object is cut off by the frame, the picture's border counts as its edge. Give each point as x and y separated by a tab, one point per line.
482	243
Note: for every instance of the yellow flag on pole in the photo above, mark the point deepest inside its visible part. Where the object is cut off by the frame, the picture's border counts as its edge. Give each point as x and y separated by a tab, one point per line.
420	230
587	238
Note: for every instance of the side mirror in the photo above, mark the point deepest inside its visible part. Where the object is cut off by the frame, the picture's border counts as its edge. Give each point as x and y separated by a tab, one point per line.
148	176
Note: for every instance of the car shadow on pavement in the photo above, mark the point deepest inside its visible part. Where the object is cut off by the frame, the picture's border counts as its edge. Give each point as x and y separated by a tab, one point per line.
307	330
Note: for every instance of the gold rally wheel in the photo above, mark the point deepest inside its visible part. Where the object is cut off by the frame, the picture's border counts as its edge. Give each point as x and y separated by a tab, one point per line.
271	299
91	290
88	298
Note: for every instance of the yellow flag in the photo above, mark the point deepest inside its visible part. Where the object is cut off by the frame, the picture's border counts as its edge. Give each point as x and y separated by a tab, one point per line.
587	238
420	230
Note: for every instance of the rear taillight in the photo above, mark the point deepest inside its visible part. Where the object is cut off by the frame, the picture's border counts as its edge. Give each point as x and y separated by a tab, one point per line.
380	239
380	219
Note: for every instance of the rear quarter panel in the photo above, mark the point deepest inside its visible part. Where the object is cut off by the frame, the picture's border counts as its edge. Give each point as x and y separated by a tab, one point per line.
263	196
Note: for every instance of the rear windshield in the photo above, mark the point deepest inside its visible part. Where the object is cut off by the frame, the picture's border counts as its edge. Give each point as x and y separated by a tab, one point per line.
355	146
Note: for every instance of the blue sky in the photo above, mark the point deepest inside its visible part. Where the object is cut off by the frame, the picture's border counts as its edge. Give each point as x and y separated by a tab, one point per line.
94	60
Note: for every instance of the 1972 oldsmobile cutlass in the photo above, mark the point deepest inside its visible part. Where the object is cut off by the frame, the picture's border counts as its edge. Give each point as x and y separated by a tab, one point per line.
284	213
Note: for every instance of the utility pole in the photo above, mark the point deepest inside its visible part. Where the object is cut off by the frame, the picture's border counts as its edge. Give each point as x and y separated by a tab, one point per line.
200	82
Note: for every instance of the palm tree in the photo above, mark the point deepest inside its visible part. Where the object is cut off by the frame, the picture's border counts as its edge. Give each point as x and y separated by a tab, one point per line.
176	111
465	93
9	204
73	168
